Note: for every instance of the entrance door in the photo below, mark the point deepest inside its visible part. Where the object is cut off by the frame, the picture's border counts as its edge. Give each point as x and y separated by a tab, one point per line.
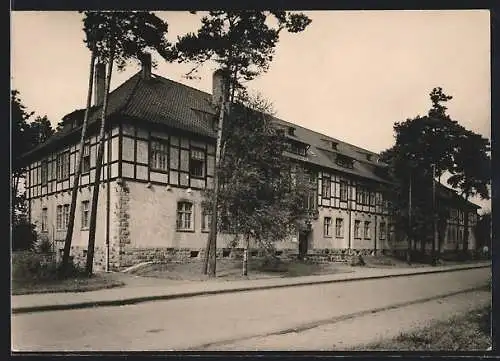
303	236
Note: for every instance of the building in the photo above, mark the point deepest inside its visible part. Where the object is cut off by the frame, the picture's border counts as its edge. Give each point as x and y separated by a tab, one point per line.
159	155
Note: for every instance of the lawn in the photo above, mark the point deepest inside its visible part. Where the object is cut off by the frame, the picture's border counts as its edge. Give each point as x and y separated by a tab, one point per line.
468	332
77	284
231	269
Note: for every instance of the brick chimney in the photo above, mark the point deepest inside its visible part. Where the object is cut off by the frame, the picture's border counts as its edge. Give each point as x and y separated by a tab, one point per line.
220	87
99	83
146	65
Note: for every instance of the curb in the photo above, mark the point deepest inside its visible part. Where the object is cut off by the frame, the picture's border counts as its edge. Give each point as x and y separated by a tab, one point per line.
135	300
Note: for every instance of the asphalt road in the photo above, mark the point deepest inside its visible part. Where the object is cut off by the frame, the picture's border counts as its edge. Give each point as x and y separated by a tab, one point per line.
210	322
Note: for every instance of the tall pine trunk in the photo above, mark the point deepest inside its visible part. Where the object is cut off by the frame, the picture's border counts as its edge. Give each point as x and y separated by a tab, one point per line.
78	171
100	153
211	249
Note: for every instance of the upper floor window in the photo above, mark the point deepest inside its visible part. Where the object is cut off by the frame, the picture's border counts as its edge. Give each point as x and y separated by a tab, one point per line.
185	216
86	159
62	166
158	158
44	172
197	163
343	191
291	131
326	187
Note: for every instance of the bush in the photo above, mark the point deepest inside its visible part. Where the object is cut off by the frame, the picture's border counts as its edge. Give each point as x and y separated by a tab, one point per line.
43	245
23	236
31	267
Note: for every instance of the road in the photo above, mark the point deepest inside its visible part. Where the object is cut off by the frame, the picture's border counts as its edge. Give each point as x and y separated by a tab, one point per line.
210	322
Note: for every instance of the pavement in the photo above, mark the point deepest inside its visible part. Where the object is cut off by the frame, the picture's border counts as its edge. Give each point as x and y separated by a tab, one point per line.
138	293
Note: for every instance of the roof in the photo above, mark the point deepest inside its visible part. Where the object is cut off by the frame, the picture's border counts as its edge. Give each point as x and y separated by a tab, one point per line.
163	101
448	193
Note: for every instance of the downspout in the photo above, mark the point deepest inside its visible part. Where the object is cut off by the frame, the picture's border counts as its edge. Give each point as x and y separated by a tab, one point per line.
108	210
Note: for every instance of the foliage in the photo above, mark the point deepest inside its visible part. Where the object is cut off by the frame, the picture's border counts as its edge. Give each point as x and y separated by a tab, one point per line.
24	235
434	140
125	34
259	196
241	42
43	245
483	230
32	267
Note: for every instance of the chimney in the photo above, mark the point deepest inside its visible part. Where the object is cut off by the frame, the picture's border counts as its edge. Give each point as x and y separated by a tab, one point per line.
99	83
220	87
146	66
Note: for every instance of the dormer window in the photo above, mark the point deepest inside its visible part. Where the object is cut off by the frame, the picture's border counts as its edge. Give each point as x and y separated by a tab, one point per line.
344	161
369	157
298	148
334	145
291	131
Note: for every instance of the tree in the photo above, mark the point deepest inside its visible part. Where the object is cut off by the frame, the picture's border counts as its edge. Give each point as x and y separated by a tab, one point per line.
471	171
483	231
242	43
428	147
78	171
260	199
118	37
26	134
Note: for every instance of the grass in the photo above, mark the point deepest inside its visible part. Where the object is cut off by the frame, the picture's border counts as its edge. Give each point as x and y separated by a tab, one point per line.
77	284
467	332
231	269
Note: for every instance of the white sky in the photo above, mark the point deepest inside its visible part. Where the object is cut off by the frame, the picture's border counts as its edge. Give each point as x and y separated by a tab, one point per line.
350	74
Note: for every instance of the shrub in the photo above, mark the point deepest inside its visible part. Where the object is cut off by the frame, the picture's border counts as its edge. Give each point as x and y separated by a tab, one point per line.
43	245
23	236
31	267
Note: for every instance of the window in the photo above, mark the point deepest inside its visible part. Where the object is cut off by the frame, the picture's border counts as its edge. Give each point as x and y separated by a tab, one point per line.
291	131
326	226
158	158
206	219
339	227
45	172
310	200
357	230
197	163
372	198
460	216
86	159
85	214
298	148
44	219
344	161
382	231
62	216
367	230
184	216
343	191
325	192
62	164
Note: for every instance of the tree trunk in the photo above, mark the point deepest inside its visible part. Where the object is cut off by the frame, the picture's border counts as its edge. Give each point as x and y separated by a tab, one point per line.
246	255
211	249
78	171
466	230
100	152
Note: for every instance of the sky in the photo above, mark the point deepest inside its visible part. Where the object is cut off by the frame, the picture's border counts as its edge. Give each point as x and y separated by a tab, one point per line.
350	75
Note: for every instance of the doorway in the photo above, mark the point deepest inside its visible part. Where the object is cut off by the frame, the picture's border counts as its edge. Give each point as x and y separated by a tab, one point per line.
303	243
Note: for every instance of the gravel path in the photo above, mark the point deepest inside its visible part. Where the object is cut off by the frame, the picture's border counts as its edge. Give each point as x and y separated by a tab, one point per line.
363	330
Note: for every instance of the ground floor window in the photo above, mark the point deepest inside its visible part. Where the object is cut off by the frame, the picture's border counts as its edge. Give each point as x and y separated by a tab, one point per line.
184	216
326	226
206	219
44	219
339	227
367	234
382	231
85	214
357	229
62	216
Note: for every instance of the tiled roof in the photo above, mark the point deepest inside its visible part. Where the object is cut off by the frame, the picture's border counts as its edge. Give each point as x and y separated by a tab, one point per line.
163	101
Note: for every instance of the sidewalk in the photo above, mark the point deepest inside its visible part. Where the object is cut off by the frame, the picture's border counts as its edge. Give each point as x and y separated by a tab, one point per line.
137	293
